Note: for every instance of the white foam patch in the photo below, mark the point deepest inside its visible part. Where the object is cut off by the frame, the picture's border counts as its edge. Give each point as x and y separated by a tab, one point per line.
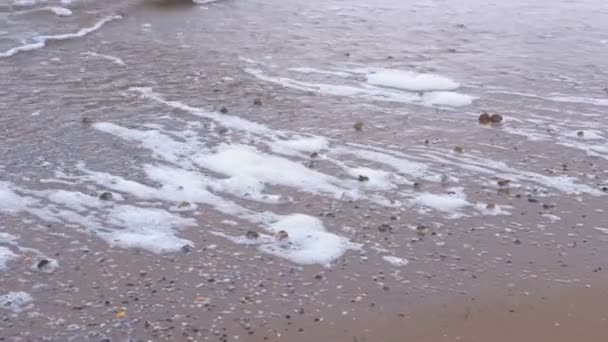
112	59
42	40
449	203
368	92
147	228
58	11
126	226
6	255
308	242
246	163
307	70
602	230
396	261
297	145
411	81
15	301
586	100
9	200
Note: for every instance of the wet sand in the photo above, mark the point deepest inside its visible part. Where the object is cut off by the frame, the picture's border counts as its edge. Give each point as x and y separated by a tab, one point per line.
560	313
192	116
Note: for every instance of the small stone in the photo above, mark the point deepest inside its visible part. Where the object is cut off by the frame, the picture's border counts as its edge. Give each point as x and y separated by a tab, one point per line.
222	130
106	196
532	200
45	266
416	185
496	118
358	126
257	102
580	134
605	188
503	182
548	206
183	204
186	249
318	277
491	206
281	235
252	235
458	149
87	120
314	155
224	110
363	178
421	230
484	118
385	227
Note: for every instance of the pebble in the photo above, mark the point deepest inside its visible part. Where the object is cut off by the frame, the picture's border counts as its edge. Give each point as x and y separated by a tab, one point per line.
484	118
281	235
385	227
252	235
363	178
224	110
106	196
358	126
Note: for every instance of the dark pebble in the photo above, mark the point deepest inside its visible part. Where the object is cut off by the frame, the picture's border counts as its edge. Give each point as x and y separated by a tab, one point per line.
251	235
363	178
106	196
224	110
385	227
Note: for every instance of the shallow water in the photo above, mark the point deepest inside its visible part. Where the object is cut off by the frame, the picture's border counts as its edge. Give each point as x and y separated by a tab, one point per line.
207	121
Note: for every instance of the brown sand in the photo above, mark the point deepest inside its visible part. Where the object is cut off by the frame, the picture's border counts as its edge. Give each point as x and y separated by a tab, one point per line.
558	315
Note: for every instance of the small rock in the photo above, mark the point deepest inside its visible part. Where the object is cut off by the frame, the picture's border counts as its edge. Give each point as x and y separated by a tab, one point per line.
358	126
222	130
491	206
224	110
580	134
517	242
318	277
186	249
252	235
503	182
314	155
183	204
281	235
363	178
548	206
532	200
257	102
421	230
496	118
86	120
385	227
106	196
484	118
458	149
45	266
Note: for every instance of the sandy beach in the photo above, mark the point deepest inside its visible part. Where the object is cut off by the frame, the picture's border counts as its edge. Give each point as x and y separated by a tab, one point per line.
248	170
